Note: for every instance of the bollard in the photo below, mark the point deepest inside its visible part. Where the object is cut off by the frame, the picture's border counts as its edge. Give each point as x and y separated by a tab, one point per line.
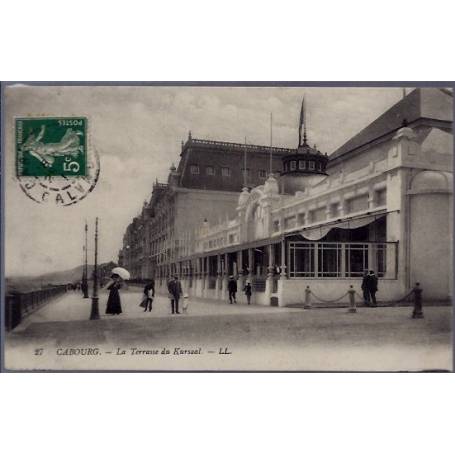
307	304
417	312
352	305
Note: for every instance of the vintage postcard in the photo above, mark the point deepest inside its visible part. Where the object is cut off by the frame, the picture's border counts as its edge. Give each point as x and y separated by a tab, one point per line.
227	228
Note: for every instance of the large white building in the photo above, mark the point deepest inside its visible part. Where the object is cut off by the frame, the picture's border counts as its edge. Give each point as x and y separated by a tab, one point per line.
382	201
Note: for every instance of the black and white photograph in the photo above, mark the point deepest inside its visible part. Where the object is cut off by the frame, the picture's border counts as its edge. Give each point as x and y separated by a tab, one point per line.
228	227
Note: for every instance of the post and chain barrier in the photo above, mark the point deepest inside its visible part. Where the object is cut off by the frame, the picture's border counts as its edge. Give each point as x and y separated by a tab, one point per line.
416	292
309	293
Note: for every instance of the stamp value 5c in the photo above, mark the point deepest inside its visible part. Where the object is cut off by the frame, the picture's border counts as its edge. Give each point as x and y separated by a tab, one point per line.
51	147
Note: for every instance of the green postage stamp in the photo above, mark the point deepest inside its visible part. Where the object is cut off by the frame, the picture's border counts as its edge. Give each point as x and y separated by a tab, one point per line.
51	146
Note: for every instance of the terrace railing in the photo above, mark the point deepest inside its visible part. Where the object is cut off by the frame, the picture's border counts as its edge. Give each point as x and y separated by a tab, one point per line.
19	305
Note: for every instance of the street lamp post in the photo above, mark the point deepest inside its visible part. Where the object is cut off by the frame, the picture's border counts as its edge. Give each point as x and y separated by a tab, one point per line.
95	314
85	273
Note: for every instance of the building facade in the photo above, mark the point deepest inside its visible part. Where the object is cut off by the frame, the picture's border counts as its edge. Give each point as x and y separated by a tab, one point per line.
204	187
383	202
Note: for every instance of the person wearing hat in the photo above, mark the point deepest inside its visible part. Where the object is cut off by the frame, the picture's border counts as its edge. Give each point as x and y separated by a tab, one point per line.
372	286
232	289
175	291
366	292
114	305
150	286
247	290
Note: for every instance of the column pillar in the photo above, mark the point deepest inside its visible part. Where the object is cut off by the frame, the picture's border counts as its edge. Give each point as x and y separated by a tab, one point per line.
218	276
225	275
202	273
283	273
269	280
372	265
250	264
271	255
343	260
239	263
240	278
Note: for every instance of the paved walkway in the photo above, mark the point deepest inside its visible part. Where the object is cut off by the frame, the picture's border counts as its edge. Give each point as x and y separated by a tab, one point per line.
72	307
259	338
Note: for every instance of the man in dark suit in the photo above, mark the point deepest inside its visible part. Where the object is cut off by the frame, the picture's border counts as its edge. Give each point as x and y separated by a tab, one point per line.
175	291
232	289
149	287
366	292
372	286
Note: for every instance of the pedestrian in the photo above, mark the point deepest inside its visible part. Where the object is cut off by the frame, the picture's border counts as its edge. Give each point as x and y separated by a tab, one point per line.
175	291
247	291
185	303
232	289
366	294
113	302
84	287
149	299
372	285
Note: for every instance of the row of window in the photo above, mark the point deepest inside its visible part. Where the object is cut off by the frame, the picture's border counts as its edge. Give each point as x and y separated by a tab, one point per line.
309	259
225	171
210	244
303	165
353	205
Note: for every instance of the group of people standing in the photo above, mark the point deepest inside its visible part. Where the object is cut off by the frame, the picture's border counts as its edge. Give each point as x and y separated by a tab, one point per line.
114	305
369	288
232	290
174	286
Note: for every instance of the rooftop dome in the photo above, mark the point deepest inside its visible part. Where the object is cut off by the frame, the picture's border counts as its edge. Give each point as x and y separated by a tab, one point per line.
306	159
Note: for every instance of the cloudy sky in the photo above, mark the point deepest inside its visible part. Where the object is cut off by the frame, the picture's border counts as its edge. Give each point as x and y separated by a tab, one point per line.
137	132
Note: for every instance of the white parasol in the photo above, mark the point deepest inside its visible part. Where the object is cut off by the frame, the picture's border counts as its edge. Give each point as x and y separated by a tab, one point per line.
121	272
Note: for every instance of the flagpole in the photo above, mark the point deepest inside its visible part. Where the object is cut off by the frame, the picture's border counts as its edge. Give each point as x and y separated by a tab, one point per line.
244	166
304	120
302	123
271	141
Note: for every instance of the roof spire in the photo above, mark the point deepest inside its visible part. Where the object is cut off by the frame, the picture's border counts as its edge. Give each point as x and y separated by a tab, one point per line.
302	124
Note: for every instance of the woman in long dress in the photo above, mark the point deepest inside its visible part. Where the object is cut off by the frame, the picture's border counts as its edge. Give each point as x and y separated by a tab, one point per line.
113	302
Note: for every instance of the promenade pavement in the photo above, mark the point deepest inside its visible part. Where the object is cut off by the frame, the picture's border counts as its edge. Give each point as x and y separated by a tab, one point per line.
219	336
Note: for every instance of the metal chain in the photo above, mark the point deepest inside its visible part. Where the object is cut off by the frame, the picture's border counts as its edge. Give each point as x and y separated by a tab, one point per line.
406	296
328	301
358	295
396	301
